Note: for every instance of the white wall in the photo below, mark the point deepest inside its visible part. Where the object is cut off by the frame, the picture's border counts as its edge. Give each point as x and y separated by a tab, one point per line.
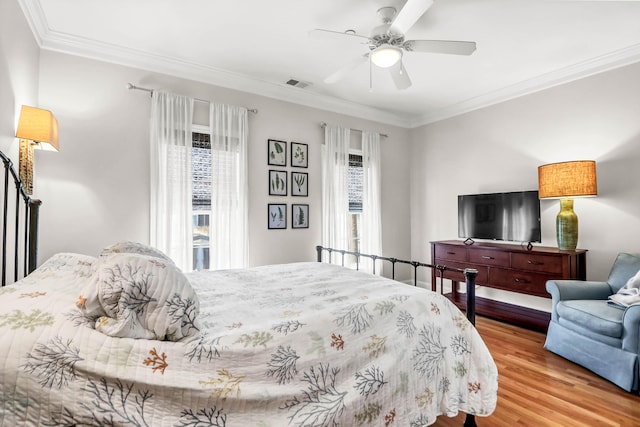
95	191
19	56
499	148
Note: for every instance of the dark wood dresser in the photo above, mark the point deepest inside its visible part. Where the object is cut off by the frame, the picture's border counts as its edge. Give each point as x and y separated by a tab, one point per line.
509	267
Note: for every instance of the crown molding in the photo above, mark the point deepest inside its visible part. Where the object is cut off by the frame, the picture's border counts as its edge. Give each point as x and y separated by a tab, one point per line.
35	18
607	62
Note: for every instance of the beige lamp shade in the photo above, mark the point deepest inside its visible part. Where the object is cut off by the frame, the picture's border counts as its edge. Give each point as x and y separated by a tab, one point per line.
39	126
567	179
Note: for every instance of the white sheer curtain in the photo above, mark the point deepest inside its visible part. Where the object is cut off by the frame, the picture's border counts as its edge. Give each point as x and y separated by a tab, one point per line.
171	177
230	188
371	223
335	195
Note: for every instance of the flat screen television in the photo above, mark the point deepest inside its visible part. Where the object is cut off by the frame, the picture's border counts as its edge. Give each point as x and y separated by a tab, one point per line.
513	216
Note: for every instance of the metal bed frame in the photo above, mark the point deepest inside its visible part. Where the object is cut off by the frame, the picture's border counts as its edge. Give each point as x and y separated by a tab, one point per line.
20	236
469	274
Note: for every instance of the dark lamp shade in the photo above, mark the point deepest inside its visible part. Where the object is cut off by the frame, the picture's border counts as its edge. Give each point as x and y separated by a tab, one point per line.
567	179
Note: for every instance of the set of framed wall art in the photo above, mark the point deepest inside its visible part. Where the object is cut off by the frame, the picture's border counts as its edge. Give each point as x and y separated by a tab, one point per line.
284	182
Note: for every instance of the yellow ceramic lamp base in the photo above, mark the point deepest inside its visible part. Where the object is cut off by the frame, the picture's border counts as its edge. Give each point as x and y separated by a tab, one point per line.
567	226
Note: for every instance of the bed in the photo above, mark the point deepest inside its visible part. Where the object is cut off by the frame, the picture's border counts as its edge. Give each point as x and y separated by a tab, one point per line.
125	338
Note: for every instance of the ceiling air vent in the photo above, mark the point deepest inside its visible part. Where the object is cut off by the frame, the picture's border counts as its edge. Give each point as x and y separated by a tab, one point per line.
297	83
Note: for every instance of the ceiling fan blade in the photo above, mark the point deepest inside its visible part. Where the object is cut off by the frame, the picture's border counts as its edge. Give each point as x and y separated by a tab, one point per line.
346	69
339	36
400	76
408	15
440	46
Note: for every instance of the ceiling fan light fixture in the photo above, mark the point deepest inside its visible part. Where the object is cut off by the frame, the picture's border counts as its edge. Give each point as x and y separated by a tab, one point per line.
385	56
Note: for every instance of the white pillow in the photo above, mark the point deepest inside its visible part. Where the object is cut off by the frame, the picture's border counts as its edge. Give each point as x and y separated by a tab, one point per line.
140	296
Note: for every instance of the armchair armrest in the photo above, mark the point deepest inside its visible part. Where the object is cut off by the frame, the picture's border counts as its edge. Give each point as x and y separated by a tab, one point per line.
631	329
578	289
563	290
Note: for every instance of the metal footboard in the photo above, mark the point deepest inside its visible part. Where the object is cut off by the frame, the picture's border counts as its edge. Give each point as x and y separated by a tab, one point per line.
19	227
469	273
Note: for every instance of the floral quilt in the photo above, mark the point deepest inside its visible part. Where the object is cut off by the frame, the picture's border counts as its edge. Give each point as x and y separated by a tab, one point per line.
302	344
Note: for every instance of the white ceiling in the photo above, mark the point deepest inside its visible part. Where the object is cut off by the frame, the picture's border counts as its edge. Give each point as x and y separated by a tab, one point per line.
257	45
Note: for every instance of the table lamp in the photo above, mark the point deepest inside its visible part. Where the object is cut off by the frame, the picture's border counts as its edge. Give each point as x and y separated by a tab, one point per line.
563	181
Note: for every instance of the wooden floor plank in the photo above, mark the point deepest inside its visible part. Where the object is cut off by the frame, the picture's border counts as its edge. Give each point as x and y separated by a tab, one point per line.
538	388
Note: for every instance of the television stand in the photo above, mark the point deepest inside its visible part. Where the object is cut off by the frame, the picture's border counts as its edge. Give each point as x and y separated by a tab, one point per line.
508	267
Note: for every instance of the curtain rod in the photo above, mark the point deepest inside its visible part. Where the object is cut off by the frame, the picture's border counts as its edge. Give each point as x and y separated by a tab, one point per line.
131	86
323	124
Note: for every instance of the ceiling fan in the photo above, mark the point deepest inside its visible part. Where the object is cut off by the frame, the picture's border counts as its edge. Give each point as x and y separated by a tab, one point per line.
387	42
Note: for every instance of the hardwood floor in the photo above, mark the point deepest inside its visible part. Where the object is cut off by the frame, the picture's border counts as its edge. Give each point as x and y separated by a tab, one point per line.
539	388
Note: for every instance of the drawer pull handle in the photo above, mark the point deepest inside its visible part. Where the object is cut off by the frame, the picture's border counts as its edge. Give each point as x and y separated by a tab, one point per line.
487	257
451	253
521	280
535	262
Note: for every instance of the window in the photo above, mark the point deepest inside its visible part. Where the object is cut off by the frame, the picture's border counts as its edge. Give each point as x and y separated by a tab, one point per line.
202	159
201	199
355	183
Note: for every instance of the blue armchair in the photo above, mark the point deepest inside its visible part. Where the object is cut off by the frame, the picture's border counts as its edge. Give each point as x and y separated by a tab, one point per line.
589	331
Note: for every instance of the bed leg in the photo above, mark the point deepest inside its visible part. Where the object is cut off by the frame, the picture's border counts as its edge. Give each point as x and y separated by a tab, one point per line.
470	421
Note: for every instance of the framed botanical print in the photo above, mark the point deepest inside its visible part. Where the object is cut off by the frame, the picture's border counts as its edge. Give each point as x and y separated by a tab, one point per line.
277	215
299	155
299	216
277	183
276	152
299	184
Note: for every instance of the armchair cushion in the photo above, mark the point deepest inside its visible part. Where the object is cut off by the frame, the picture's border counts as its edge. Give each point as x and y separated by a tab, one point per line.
595	315
567	290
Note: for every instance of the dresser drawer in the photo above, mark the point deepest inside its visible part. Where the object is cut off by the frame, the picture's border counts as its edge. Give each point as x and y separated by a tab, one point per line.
537	262
519	281
489	257
450	252
456	276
